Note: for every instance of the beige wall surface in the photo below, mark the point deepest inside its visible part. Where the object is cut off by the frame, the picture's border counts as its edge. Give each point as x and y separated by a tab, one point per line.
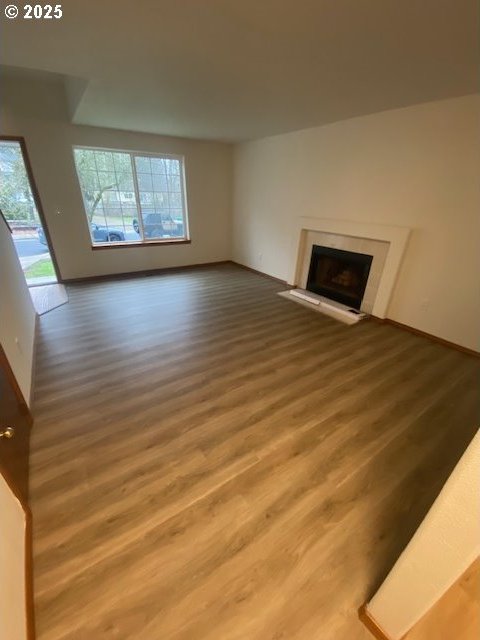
13	618
415	167
37	109
17	314
445	545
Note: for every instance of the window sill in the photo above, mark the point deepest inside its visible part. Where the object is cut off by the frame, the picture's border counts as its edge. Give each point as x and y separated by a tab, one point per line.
129	245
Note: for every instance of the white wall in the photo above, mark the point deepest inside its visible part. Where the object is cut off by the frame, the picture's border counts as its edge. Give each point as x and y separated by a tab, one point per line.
36	109
415	167
445	545
17	314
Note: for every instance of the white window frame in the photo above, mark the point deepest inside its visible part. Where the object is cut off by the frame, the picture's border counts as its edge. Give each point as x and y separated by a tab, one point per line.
142	241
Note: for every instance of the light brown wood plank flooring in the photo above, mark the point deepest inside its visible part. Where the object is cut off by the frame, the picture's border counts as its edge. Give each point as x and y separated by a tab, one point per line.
213	462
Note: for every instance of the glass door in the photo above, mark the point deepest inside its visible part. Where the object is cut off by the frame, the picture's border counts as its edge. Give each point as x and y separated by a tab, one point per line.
20	209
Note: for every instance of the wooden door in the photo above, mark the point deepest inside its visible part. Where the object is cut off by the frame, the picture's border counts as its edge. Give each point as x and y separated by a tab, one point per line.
15	421
16	576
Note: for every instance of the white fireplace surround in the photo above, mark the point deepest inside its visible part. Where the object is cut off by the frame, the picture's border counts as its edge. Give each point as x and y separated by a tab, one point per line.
387	257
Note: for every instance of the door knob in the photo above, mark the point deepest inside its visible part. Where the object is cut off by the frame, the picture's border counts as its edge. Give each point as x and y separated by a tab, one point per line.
9	432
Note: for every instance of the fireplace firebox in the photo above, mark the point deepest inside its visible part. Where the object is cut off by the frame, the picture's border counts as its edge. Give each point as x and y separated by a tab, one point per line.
339	275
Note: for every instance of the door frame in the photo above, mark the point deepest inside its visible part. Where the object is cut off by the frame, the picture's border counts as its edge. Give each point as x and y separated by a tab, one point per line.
24	407
29	593
36	198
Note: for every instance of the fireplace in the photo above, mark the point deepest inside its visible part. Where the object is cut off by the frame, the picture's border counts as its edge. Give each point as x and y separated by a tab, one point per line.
339	275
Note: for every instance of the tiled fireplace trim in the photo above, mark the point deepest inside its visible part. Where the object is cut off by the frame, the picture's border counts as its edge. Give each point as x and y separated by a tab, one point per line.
387	246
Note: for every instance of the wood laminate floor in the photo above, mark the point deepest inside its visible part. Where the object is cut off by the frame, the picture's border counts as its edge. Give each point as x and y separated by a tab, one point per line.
213	462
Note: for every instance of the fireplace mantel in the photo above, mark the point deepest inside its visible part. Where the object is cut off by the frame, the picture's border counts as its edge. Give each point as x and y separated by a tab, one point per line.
397	237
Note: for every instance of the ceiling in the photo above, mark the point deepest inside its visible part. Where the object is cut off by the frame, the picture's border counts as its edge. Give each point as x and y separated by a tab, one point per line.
241	69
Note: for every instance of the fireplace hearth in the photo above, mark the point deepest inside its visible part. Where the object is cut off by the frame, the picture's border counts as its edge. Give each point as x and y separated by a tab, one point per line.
339	275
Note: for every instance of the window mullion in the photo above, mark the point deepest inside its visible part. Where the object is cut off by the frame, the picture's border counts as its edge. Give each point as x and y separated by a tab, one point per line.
183	197
137	197
167	179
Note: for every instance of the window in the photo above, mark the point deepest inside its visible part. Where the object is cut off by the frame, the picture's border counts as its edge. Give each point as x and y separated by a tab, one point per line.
132	197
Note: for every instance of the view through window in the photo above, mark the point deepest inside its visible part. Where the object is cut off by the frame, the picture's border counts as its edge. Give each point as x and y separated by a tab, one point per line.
132	197
18	206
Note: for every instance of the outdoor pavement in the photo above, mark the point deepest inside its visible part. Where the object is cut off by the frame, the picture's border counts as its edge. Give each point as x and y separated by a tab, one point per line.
34	282
29	247
29	251
29	260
